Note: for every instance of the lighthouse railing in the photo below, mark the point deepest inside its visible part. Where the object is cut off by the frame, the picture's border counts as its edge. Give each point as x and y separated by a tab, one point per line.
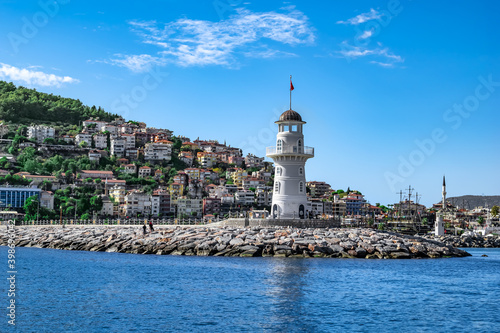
289	150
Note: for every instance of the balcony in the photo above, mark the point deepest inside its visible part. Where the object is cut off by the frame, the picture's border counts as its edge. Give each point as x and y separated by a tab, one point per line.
294	150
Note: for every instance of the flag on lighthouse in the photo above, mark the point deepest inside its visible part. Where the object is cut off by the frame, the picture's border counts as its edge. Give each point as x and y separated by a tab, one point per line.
291	84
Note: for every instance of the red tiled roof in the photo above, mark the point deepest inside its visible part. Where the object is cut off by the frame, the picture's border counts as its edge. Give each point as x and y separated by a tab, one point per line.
37	176
98	171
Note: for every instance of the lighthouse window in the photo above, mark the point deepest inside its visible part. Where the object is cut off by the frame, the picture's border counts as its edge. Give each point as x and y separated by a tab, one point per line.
293	128
299	144
301	187
278	171
301	171
279	145
277	187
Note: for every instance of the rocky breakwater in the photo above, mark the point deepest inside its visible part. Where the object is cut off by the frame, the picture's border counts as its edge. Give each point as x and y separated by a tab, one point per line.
227	241
468	240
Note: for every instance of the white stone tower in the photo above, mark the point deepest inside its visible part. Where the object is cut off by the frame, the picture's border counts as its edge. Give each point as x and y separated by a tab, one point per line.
290	156
444	194
439	225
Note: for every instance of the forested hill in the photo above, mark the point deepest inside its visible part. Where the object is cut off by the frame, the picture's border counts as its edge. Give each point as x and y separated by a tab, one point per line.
23	105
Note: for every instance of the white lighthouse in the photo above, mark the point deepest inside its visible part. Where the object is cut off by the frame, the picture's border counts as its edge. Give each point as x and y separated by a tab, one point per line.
290	156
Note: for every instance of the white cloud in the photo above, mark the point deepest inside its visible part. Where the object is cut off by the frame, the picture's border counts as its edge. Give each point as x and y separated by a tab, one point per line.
366	34
31	77
268	53
383	64
389	59
362	18
136	63
188	42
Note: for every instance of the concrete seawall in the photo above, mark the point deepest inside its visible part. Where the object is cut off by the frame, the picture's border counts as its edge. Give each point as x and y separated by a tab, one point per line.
233	241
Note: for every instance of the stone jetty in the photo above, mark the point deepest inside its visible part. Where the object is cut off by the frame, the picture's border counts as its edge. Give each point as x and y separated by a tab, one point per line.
231	241
467	240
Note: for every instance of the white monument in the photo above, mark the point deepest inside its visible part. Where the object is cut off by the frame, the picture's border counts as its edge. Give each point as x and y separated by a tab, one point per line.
290	156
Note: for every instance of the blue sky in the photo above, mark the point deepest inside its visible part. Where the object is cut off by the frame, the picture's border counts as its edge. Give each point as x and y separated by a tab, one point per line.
395	93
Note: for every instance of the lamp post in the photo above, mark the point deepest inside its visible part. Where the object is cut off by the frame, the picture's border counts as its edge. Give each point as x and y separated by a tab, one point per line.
38	210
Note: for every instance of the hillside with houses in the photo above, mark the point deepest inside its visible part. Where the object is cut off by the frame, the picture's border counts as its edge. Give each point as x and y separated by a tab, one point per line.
103	166
106	166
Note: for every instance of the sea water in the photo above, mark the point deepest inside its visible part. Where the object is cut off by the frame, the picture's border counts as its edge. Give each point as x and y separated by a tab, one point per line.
74	291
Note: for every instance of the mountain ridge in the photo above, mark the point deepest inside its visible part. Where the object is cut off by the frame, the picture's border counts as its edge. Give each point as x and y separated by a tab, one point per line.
473	201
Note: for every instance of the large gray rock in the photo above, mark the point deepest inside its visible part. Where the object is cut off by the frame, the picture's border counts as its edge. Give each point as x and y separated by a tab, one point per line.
236	241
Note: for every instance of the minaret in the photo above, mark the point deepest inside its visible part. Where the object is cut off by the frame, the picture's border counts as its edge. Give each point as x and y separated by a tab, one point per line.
439	225
290	156
444	194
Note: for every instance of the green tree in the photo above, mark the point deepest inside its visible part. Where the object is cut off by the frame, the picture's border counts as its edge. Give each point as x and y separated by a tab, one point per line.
31	208
27	154
46	185
494	211
480	220
49	141
96	203
4	162
23	105
33	167
14	180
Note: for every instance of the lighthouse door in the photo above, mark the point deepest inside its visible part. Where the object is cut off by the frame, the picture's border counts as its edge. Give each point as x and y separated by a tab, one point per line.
275	211
301	211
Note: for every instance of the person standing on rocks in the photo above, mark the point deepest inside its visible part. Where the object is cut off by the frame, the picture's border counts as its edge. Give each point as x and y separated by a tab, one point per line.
151	229
144	228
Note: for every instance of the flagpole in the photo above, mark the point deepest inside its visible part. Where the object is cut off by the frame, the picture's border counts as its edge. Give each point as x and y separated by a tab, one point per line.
290	92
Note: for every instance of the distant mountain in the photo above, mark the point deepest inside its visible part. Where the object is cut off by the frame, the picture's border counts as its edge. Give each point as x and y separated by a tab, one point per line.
473	201
24	106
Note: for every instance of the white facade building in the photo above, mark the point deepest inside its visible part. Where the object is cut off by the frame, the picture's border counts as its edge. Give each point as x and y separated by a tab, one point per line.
40	133
137	202
101	141
290	156
130	139
190	207
264	196
84	137
113	130
244	197
98	124
157	152
118	146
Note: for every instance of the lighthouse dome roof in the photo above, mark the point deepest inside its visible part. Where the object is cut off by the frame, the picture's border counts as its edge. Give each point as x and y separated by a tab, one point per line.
290	115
